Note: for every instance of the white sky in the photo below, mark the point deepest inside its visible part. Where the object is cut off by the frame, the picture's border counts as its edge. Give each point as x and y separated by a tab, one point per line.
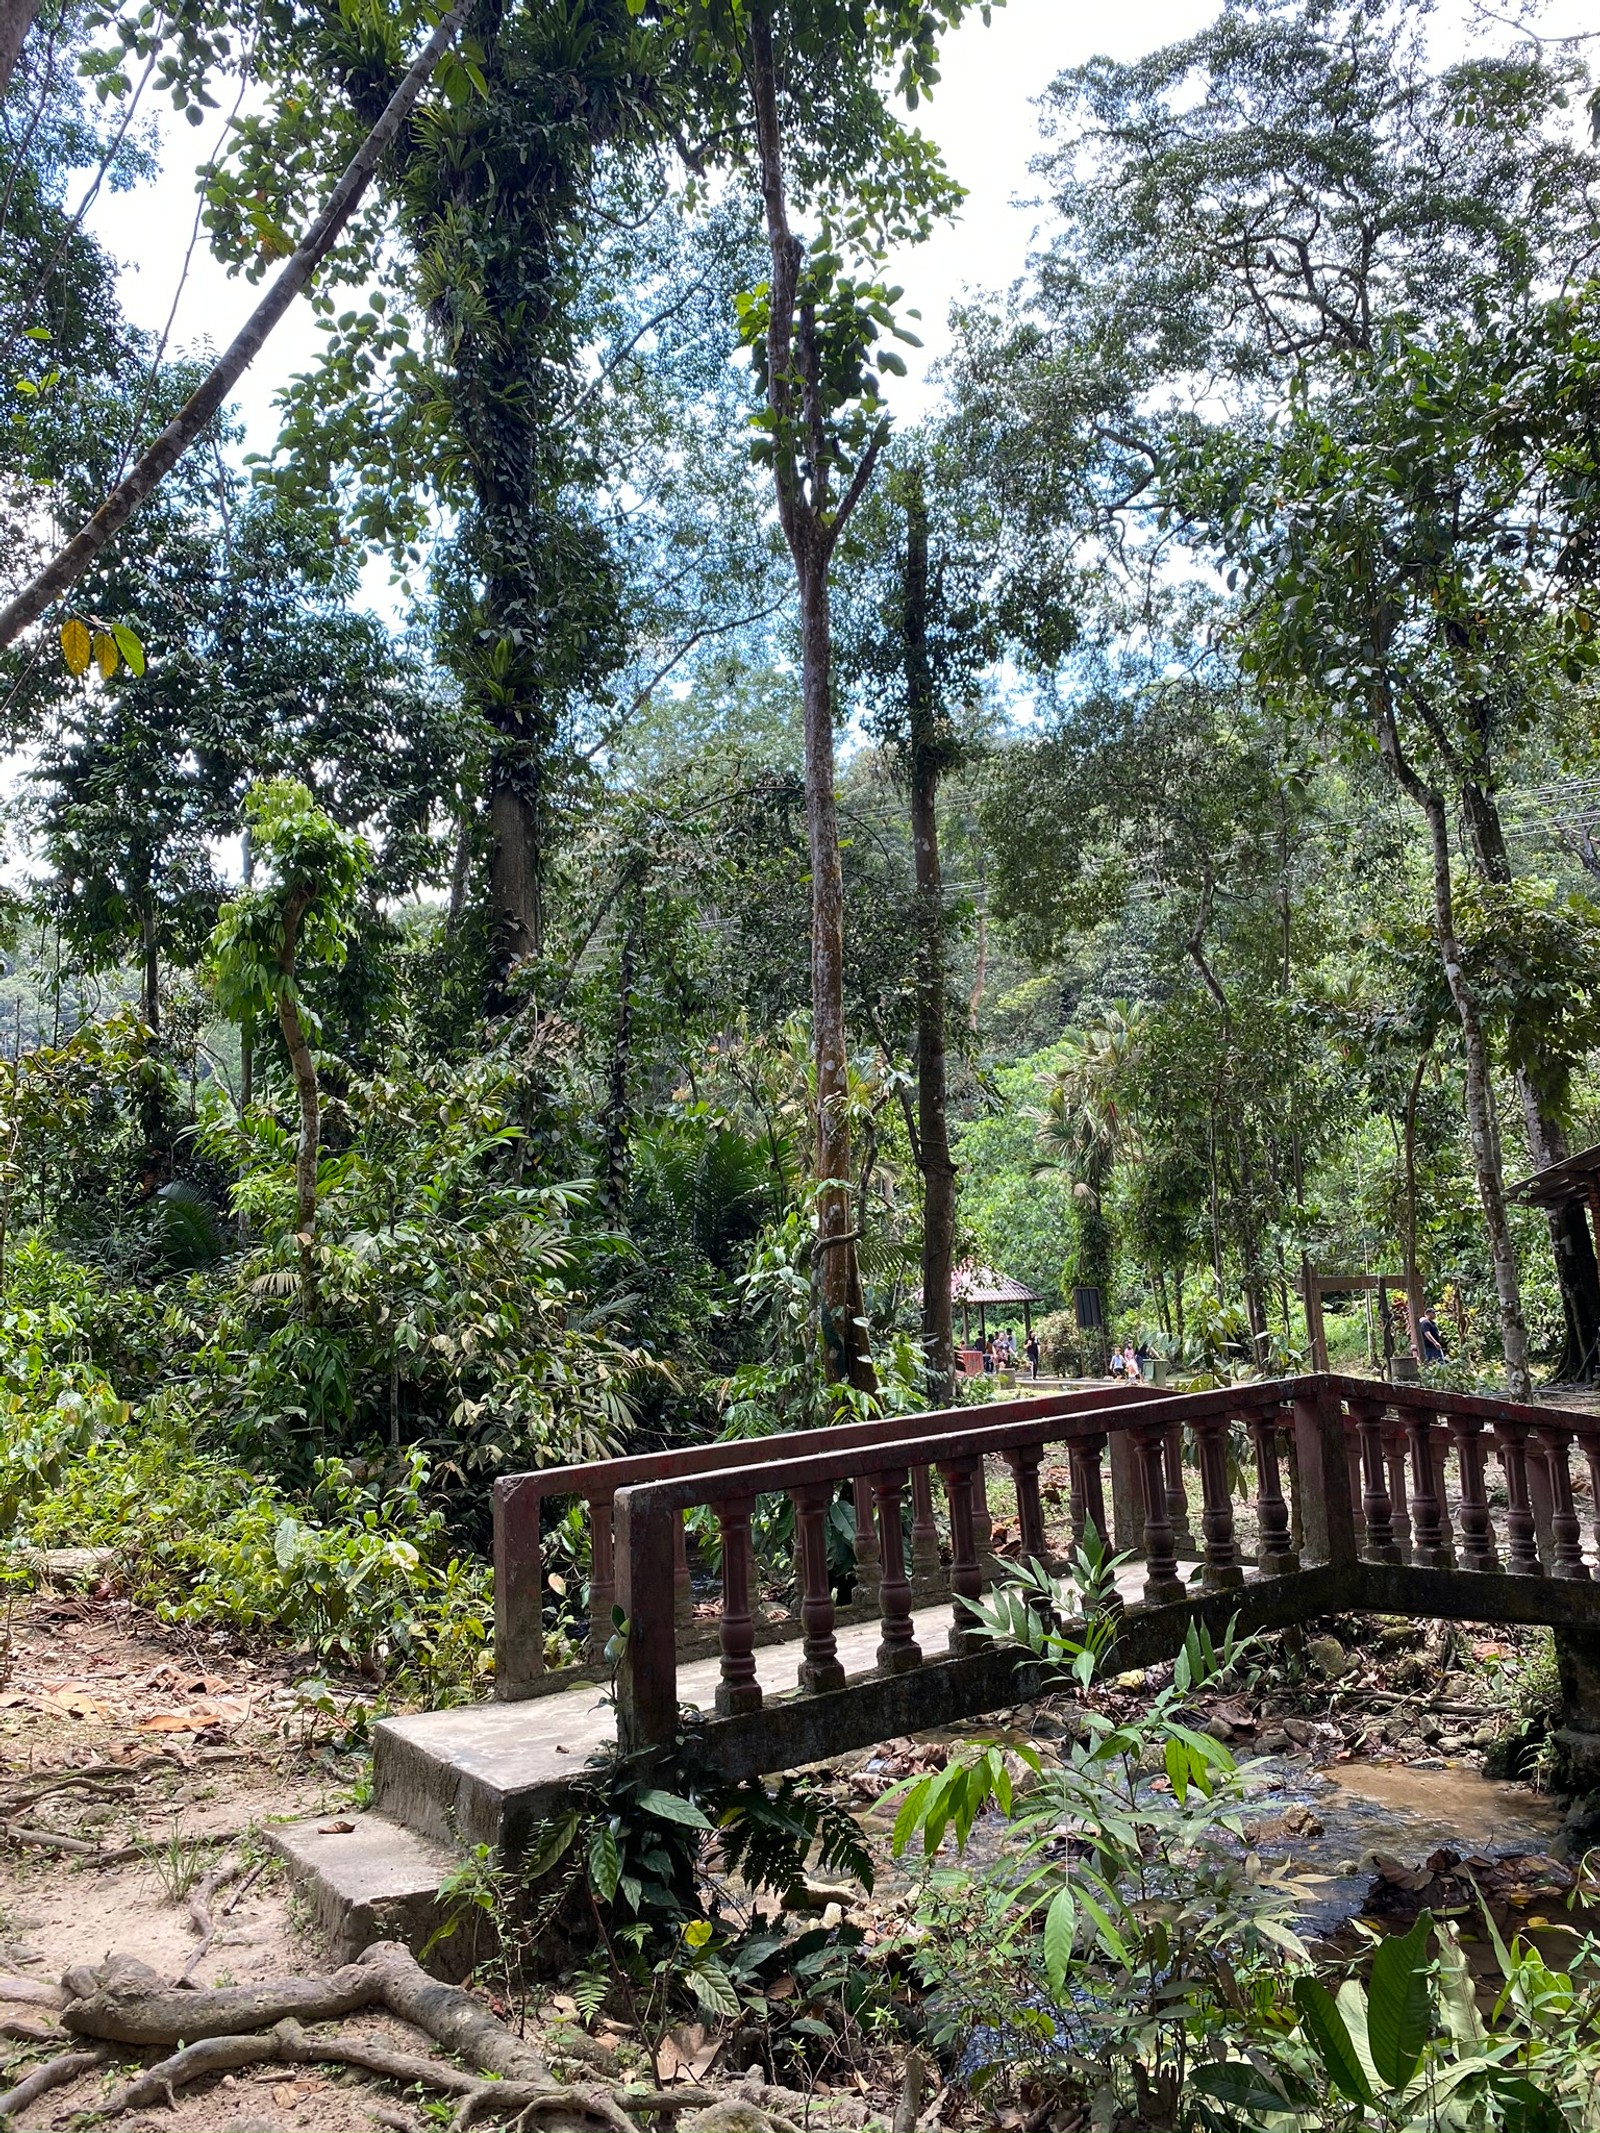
982	118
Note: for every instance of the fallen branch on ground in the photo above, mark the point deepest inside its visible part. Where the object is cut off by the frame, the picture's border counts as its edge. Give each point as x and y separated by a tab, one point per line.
124	2001
32	1992
54	2074
200	1917
52	1840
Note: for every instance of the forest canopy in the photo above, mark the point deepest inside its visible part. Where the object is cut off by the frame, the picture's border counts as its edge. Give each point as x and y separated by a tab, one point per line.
552	909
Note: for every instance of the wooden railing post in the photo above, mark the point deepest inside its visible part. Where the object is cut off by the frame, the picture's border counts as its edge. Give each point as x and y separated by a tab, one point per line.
966	1576
1178	1494
1394	1455
1522	1552
820	1665
899	1652
869	1564
1275	1553
1381	1545
1428	1548
1565	1532
682	1583
738	1690
602	1574
1589	1439
1221	1558
1162	1583
1327	1513
1024	1462
1088	1490
1127	1493
647	1677
925	1562
518	1589
1478	1550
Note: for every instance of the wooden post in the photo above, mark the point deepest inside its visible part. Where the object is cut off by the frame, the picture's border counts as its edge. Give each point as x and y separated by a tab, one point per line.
1566	1533
1478	1550
925	1561
1327	1514
1162	1583
1127	1494
820	1667
966	1578
603	1572
738	1689
518	1590
899	1651
647	1678
1522	1553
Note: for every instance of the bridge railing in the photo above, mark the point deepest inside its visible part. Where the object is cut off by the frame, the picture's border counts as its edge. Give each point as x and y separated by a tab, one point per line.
1369	1476
519	1499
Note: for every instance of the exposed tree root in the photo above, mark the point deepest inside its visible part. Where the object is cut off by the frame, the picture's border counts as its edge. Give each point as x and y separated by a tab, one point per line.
124	2002
200	1917
32	1992
54	2074
22	2029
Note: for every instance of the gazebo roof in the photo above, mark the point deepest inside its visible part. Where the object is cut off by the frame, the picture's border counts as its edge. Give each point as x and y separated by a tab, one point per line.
1568	1180
973	1284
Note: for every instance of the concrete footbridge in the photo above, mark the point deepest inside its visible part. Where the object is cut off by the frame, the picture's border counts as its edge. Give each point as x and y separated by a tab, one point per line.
1272	1503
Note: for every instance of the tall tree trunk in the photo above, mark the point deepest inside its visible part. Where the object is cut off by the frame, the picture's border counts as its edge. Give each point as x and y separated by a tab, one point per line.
843	1303
811	525
616	1113
933	1133
16	16
303	1066
1576	1268
1483	1128
514	906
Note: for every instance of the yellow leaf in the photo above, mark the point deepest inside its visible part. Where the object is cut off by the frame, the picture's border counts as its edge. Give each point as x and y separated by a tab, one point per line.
105	653
75	646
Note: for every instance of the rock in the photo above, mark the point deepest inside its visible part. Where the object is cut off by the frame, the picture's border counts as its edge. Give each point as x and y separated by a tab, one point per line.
1486	1737
1450	1744
1272	1740
1301	1820
1299	1732
1429	1729
1329	1657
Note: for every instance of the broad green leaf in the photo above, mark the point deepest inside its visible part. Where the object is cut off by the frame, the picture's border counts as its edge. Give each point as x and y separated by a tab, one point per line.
697	1932
1525	2108
1325	2027
605	1863
1237	2082
1399	2003
714	1989
906	1821
1060	1924
672	1807
105	653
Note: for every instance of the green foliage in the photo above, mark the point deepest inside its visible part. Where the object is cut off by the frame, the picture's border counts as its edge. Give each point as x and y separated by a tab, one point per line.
304	916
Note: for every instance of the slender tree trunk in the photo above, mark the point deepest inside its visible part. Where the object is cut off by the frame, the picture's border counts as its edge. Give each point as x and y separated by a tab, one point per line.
460	868
65	568
16	17
149	968
811	525
303	1066
1483	1128
617	1114
933	1132
1413	1276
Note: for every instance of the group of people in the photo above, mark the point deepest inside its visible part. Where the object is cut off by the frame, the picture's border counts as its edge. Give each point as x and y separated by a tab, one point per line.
1128	1362
1000	1352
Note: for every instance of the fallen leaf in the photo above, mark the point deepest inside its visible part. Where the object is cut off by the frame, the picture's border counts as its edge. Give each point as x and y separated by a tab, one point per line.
335	1829
167	1722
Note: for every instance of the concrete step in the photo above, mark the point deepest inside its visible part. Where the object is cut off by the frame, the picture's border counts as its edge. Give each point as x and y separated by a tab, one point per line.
375	1880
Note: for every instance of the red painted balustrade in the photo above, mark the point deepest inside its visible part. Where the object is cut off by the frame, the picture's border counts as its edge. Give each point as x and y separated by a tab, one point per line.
519	1500
1389	1474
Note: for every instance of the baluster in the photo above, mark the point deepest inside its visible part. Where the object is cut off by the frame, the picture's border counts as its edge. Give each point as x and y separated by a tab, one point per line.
1522	1551
966	1577
898	1652
869	1564
1221	1558
1478	1550
1428	1547
1565	1532
682	1584
602	1574
739	1689
1394	1456
1352	1454
820	1667
1380	1546
1088	1490
1023	1460
925	1561
1178	1494
1439	1439
1162	1584
1590	1440
1275	1553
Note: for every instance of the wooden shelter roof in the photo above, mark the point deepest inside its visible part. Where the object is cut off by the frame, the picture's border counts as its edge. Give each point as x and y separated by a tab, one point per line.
973	1284
1569	1180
